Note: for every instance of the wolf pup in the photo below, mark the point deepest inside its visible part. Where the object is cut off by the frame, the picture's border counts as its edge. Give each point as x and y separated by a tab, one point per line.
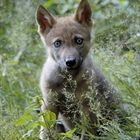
67	41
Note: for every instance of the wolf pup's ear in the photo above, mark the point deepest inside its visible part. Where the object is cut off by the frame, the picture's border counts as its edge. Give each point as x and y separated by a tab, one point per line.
84	13
44	19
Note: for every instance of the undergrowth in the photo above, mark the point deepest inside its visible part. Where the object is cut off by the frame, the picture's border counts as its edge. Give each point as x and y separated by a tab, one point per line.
116	50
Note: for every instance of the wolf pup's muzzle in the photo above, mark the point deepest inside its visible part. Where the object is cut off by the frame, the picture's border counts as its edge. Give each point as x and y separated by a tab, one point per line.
72	62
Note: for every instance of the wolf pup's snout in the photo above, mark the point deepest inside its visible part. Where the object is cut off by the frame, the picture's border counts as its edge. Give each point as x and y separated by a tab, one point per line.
70	61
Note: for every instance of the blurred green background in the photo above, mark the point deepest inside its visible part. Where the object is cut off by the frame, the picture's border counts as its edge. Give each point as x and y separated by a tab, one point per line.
116	50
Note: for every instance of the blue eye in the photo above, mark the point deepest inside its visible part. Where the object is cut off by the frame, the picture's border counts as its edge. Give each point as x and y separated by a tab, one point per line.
57	43
78	40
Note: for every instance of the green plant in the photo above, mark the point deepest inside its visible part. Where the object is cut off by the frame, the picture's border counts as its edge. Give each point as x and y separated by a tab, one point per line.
116	49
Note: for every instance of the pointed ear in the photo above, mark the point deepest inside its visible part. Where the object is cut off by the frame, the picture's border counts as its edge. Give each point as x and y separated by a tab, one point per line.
84	13
44	19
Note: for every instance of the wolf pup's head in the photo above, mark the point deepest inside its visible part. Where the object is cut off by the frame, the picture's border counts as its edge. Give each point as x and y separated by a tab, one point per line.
67	39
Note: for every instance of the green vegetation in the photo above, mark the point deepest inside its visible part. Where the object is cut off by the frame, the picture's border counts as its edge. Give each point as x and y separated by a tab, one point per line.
116	50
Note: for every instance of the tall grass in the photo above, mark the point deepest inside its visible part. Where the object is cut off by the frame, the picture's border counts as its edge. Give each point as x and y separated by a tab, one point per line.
116	50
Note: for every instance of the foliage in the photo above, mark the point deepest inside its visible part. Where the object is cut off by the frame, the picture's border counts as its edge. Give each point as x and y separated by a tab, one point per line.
116	49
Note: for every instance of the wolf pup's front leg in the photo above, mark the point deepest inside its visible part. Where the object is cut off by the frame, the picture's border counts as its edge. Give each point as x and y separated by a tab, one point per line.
48	85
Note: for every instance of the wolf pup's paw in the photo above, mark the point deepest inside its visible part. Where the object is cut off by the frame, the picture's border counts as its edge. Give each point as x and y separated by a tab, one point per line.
60	127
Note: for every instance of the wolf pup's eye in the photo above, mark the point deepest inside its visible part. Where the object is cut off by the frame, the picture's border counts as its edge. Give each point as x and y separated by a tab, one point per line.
57	43
78	40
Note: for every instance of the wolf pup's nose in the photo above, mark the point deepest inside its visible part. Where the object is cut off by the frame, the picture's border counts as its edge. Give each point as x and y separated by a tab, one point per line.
70	61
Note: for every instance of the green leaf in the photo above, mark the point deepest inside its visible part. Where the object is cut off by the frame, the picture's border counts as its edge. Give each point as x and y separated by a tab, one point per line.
42	123
27	116
49	119
69	133
50	116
